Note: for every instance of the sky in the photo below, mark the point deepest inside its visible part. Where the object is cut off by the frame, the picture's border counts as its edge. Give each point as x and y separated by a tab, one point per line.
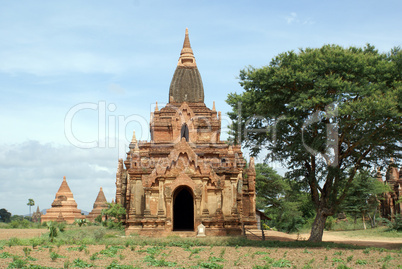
78	77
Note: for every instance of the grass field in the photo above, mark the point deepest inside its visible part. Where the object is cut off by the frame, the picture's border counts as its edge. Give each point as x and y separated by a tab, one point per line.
99	247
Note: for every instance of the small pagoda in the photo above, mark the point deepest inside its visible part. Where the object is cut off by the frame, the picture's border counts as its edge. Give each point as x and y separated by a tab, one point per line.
99	205
64	207
37	215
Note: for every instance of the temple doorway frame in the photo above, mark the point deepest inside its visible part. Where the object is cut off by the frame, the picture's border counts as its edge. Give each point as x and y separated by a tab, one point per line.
183	211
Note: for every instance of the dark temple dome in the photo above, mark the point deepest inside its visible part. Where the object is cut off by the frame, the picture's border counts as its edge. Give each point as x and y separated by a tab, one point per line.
186	85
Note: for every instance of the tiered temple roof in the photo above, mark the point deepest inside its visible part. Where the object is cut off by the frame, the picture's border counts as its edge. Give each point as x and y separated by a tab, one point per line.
64	207
100	203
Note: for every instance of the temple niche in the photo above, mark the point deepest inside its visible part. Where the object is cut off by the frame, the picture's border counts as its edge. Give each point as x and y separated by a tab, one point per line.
186	176
389	204
64	207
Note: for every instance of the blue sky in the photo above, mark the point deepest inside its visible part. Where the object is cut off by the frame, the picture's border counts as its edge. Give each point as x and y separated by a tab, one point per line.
110	61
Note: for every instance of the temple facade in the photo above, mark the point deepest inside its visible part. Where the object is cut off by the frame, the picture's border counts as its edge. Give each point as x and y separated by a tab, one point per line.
186	176
390	204
64	208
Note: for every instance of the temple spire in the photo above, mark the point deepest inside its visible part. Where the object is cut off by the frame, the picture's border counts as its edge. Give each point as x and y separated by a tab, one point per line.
186	85
133	139
187	58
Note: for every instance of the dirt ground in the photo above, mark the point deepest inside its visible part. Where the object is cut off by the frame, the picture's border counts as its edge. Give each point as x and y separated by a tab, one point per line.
337	237
101	256
21	233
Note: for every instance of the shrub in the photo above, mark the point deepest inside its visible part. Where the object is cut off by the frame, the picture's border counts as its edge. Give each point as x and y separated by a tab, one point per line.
17	263
395	224
54	256
53	230
81	263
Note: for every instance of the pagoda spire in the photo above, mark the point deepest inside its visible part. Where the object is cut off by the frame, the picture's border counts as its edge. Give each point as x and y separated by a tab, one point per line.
186	85
187	58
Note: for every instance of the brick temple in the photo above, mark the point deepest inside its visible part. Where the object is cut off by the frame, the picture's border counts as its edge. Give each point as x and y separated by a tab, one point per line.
390	205
186	176
64	208
99	204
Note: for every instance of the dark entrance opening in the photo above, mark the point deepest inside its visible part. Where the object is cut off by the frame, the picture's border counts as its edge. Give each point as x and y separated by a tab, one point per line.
184	132
183	210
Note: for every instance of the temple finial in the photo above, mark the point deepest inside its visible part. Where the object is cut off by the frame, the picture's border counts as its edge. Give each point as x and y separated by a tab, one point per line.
187	56
64	178
213	106
134	140
186	43
156	106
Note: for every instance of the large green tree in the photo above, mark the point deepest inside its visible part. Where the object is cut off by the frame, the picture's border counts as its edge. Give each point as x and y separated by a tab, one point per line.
270	187
325	113
363	197
283	201
4	215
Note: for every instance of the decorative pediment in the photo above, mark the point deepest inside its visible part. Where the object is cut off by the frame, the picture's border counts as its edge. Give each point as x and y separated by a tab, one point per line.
181	180
185	114
183	160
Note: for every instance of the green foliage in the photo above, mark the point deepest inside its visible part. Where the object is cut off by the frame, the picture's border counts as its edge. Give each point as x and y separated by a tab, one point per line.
98	219
17	263
363	196
193	250
115	265
30	203
151	259
343	266
361	262
54	256
36	241
13	241
27	251
111	251
395	224
282	201
386	258
281	263
81	263
80	222
5	255
325	113
5	216
53	230
210	265
115	211
330	223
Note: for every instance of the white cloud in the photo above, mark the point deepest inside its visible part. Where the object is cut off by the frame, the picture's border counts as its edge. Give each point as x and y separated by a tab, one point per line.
35	170
293	18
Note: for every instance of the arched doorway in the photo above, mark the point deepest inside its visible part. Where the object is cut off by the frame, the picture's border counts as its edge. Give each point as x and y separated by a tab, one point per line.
184	132
183	210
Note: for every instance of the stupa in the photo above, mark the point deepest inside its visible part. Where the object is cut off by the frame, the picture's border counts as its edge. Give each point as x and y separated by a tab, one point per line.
186	176
37	215
64	207
99	205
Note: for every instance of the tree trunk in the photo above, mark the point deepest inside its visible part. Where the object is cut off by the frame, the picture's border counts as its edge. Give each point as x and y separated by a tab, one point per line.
364	222
373	218
317	230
